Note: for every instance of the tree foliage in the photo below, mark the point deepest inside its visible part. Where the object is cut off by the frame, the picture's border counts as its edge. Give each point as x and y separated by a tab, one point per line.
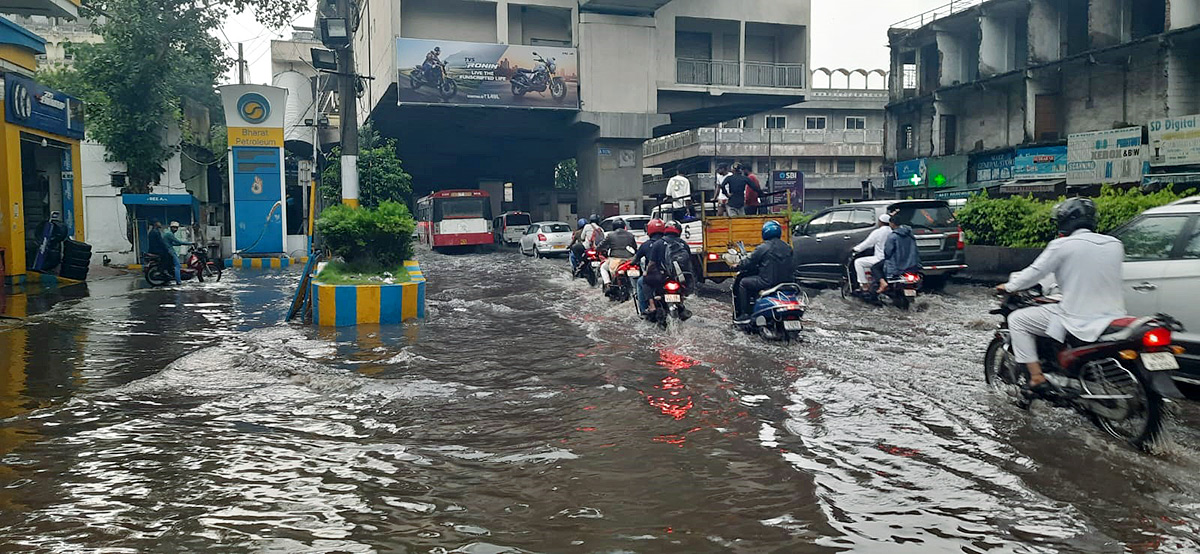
381	175
154	54
566	175
369	238
1023	222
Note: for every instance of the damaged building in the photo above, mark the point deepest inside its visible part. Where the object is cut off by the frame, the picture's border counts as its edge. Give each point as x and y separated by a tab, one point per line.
1042	96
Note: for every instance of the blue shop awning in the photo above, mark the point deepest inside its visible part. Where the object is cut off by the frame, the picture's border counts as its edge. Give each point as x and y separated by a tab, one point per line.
159	200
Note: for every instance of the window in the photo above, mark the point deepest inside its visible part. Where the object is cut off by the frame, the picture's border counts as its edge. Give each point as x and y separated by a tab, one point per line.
807	166
856	123
924	215
514	220
906	139
840	221
949	134
606	225
819	224
1191	250
531	230
862	219
776	122
739	123
1151	238
845	166
910	76
556	228
636	224
814	122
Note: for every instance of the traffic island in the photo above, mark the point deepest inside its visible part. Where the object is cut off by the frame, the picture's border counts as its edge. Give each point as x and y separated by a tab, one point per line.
344	305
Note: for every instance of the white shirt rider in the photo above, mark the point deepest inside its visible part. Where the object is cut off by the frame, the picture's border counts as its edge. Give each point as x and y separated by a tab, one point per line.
591	235
877	240
679	189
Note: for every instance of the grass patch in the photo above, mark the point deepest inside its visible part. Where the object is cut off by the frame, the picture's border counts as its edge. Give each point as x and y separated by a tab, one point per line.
341	273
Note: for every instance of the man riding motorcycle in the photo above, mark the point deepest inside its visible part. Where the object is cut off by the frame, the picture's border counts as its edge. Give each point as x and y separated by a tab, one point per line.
900	255
577	248
769	265
432	60
1087	267
876	241
618	246
655	228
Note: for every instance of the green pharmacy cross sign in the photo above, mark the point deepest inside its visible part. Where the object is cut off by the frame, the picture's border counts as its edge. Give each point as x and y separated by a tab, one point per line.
916	179
939	180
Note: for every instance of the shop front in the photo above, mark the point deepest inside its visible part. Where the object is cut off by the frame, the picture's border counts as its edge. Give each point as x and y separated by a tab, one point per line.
39	151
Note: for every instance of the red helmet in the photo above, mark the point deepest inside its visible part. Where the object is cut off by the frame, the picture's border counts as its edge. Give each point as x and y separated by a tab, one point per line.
674	228
655	227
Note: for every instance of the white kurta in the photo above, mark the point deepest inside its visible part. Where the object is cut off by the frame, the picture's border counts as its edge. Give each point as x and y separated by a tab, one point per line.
1087	267
679	189
877	240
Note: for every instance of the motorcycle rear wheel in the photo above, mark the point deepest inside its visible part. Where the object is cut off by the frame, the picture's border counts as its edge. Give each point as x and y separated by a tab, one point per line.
1143	423
156	277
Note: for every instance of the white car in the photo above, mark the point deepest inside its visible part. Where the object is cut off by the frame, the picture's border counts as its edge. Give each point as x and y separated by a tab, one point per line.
510	227
1162	262
635	224
546	238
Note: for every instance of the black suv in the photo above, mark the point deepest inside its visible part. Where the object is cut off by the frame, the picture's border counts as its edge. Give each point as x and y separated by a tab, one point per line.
823	245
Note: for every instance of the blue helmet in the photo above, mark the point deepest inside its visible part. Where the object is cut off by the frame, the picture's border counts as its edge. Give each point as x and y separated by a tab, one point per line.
582	222
772	230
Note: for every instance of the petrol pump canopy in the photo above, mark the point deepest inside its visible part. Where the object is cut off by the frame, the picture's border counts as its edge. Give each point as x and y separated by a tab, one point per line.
30	104
163	200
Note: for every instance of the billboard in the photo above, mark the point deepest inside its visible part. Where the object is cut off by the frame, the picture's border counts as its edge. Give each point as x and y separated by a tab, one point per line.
31	104
910	173
1175	141
254	119
993	167
481	74
1105	157
1046	162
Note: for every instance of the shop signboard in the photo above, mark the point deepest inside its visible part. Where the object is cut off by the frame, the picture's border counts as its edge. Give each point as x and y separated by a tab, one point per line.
910	173
992	167
1045	162
789	180
484	74
30	104
1105	157
1175	141
254	118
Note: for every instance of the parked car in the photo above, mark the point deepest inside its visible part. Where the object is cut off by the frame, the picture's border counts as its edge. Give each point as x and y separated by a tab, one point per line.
510	227
546	238
635	224
823	245
1162	273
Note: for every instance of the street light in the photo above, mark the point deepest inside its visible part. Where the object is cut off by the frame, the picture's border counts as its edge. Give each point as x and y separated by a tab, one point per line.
334	32
324	59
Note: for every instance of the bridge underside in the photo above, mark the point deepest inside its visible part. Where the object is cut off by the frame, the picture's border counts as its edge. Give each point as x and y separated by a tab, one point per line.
623	7
690	109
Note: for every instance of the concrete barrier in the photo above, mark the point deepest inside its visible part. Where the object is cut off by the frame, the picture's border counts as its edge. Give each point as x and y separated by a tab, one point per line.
995	263
346	305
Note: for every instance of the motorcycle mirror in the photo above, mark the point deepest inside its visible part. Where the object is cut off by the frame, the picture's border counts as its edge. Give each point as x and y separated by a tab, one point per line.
535	53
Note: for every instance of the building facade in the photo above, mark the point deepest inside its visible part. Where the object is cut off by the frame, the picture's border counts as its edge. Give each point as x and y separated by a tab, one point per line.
1040	96
631	70
829	149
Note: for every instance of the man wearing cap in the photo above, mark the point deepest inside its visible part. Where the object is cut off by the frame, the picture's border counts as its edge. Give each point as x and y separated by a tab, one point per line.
876	241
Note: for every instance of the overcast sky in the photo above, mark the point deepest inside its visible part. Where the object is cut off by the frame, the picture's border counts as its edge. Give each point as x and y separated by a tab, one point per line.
845	33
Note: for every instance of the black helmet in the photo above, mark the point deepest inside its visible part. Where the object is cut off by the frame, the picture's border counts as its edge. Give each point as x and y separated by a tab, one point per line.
1074	214
594	218
618	223
437	49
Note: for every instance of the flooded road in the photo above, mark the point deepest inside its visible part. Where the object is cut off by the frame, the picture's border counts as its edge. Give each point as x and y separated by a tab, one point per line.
528	414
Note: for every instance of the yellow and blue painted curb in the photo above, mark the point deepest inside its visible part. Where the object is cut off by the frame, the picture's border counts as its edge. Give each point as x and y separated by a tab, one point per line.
264	263
346	305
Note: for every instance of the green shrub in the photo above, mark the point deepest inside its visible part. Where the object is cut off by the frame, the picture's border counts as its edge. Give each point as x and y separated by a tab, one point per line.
798	218
369	239
1022	222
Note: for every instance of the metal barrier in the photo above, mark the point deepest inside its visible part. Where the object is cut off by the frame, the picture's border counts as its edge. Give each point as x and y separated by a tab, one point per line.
777	75
689	71
923	19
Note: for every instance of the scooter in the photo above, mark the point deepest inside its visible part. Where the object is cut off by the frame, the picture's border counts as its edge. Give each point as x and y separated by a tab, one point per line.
440	80
902	291
621	288
1119	381
539	78
778	313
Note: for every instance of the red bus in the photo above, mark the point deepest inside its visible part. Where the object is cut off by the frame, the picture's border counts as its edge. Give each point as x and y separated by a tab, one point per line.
452	218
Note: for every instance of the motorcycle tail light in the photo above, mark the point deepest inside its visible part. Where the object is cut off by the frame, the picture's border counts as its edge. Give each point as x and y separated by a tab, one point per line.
911	278
1158	336
672	287
712	257
541	237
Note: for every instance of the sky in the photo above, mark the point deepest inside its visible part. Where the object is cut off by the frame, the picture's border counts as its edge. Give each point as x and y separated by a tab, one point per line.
845	33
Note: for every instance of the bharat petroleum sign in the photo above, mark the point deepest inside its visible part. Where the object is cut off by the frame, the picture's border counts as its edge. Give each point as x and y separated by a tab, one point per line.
253	108
253	121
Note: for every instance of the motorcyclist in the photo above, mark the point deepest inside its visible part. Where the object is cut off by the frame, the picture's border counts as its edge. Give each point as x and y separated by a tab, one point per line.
1087	267
592	233
876	242
769	265
577	248
655	228
673	234
161	244
619	245
432	60
900	254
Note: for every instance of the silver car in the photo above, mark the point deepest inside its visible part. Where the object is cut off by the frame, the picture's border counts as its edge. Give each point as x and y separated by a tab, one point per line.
1162	262
546	238
635	224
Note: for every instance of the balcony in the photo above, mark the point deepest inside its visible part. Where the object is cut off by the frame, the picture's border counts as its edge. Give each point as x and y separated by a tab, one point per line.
775	75
692	71
757	141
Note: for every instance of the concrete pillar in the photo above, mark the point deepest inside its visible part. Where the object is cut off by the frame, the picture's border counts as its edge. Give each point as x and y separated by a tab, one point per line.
495	190
502	21
951	51
610	172
742	51
1045	34
994	45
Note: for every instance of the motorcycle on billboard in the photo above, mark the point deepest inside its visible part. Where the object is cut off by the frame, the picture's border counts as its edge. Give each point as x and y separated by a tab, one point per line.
539	78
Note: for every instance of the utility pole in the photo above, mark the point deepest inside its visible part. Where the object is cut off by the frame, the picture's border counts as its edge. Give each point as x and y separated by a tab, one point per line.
241	66
348	97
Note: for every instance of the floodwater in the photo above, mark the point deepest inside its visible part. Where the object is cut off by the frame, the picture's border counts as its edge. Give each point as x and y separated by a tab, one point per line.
528	414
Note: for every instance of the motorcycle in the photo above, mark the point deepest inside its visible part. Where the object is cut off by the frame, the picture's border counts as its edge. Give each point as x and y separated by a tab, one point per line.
902	291
778	313
159	272
440	80
589	267
668	303
1119	381
539	78
621	288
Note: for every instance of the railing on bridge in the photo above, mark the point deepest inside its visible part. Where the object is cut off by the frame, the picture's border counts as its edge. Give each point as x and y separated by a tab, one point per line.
691	71
781	75
711	137
923	19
